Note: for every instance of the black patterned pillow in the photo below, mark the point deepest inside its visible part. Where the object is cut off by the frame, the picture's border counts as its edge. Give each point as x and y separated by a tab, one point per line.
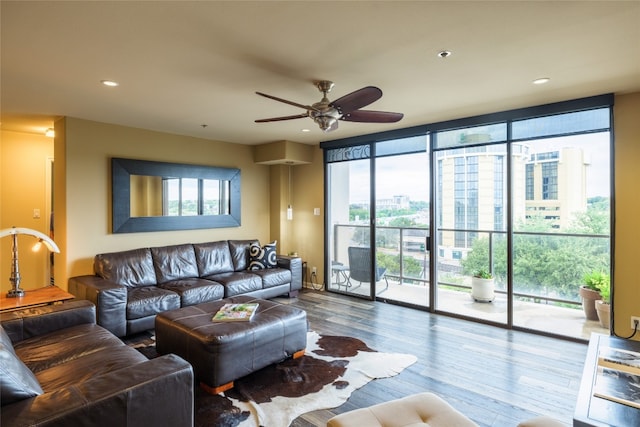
261	257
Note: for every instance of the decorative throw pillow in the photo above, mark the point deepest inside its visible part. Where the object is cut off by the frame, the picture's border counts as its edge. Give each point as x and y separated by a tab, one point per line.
261	257
18	382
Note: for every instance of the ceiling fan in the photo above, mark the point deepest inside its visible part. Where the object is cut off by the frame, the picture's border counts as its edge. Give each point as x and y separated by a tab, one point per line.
327	113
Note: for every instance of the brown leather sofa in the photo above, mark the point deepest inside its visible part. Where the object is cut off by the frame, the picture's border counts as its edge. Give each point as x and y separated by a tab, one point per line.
129	288
58	368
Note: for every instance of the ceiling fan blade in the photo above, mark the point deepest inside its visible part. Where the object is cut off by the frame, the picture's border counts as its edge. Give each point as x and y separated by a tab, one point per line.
295	104
368	116
277	119
358	99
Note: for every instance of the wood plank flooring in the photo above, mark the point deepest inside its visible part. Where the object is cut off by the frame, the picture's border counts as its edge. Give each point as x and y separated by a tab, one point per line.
496	377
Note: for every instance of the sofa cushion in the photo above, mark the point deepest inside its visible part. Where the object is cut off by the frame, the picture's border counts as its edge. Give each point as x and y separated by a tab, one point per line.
273	277
17	382
261	257
213	258
150	300
42	352
240	253
72	355
238	283
94	364
195	291
174	262
129	268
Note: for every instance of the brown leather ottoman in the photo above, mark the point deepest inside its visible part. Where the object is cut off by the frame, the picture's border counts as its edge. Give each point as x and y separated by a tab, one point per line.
221	352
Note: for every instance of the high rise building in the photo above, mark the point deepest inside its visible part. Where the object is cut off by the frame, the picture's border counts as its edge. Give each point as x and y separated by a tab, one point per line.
472	190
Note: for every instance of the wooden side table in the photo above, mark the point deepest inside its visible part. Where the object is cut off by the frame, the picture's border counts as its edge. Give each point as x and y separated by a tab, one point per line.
32	298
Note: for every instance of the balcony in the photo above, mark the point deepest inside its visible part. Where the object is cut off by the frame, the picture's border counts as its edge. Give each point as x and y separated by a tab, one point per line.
539	306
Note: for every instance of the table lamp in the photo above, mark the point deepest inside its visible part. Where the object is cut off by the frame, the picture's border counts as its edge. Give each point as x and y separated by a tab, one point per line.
15	270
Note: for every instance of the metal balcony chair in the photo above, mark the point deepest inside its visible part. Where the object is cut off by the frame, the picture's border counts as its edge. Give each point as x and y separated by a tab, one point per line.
360	267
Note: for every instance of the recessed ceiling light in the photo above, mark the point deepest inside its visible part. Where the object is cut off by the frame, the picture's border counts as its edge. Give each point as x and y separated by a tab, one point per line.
444	54
109	83
541	81
305	130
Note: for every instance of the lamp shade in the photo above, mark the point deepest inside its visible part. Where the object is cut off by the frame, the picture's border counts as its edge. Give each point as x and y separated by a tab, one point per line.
50	244
16	291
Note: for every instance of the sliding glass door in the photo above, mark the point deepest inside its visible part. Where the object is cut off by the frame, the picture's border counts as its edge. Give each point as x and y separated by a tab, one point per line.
495	218
471	225
402	194
349	219
526	202
562	224
397	268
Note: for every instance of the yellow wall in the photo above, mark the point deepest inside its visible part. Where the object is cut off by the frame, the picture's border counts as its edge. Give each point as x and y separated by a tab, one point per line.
308	229
85	189
23	169
626	277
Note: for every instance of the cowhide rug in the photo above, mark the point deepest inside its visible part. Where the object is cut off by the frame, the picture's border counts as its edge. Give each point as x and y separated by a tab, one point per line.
332	368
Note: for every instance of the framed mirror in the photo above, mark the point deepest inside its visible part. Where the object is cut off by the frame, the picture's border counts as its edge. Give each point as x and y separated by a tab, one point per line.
158	196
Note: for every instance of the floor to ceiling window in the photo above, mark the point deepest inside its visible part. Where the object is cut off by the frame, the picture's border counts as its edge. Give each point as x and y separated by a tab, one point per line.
349	212
523	196
398	266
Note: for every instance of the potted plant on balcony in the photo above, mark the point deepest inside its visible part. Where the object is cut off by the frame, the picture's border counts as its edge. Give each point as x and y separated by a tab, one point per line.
482	285
603	307
590	293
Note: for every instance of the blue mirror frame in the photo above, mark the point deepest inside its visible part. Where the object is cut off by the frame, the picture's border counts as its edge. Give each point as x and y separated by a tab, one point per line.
122	222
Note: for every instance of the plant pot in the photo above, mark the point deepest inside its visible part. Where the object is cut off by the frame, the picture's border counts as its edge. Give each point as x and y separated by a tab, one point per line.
604	313
589	298
482	290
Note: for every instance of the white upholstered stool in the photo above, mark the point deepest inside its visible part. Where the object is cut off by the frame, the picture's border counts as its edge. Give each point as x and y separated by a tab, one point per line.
422	409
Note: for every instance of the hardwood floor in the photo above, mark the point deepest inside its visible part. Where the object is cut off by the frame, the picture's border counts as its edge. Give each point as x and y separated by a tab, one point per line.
496	377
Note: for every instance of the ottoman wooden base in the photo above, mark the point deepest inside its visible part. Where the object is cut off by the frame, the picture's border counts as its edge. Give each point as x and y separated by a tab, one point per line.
221	352
229	385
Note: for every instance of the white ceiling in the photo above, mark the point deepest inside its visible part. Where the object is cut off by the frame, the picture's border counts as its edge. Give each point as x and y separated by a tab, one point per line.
182	64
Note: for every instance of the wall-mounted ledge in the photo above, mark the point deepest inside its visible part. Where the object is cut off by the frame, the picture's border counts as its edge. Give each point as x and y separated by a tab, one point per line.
283	152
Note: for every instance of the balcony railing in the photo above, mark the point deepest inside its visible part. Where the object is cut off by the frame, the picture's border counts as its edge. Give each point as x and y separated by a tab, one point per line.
546	267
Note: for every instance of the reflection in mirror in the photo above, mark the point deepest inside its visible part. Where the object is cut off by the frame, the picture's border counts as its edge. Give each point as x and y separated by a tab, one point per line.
146	195
154	196
167	196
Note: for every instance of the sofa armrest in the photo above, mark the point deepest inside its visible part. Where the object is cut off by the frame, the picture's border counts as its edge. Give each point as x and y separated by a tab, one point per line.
159	392
31	322
109	298
295	265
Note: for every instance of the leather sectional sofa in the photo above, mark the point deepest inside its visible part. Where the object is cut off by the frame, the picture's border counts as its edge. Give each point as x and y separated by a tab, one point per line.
129	288
58	368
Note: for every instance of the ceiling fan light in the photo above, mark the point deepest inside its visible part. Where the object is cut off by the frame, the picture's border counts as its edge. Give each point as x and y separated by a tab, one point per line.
326	123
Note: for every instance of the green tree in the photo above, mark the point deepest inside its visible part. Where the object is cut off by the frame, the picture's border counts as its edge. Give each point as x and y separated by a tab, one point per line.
360	213
391	262
402	222
543	264
596	220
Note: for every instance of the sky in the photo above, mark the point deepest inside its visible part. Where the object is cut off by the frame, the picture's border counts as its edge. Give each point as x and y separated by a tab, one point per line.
409	174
